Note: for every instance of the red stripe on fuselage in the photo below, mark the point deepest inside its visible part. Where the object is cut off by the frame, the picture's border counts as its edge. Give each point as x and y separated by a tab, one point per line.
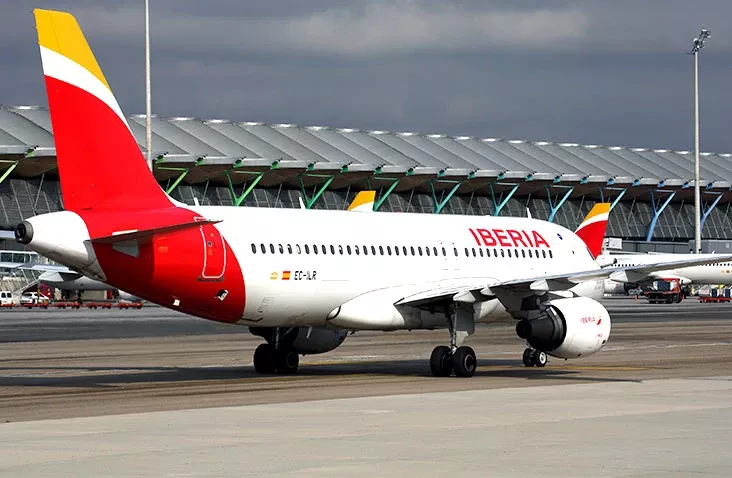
169	266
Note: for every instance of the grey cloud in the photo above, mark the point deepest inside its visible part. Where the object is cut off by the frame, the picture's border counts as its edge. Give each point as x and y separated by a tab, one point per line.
586	71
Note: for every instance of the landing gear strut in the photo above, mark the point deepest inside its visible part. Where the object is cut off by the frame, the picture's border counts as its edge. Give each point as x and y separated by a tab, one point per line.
276	356
534	358
461	360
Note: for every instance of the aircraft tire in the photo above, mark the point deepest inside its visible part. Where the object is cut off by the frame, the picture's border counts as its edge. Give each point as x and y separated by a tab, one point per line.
441	361
539	358
264	359
464	362
528	357
286	361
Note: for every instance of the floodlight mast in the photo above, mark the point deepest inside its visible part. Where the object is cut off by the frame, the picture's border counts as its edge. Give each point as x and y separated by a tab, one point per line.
148	113
697	45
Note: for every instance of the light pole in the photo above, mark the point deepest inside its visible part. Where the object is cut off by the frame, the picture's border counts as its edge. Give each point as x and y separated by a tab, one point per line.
697	45
148	118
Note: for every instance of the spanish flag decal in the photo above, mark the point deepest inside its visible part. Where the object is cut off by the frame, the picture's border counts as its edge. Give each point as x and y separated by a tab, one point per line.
285	275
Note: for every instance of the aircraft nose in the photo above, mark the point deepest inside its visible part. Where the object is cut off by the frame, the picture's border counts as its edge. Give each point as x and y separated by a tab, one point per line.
24	232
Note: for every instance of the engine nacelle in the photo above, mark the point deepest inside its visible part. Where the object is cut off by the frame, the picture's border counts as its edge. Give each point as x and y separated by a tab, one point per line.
317	340
569	328
305	340
618	288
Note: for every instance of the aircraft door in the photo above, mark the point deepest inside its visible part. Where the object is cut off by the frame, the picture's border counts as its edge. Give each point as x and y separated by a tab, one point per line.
214	253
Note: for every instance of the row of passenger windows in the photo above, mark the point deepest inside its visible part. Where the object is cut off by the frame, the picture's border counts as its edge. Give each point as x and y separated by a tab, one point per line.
396	250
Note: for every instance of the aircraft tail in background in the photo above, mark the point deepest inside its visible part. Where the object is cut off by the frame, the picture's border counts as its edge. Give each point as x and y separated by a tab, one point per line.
363	202
592	230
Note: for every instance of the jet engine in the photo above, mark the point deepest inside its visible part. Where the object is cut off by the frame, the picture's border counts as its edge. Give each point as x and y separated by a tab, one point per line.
618	288
568	328
304	340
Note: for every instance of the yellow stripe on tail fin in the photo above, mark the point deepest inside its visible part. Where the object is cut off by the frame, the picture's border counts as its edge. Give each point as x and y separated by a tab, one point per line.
59	32
363	202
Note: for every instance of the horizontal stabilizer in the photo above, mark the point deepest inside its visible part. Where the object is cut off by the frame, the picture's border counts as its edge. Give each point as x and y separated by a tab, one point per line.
135	234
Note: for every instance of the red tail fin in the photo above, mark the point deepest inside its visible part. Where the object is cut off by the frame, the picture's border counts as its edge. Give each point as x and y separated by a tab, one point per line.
592	230
99	161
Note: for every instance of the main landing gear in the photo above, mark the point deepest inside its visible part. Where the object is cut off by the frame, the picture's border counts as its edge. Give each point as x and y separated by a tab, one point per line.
534	358
461	360
277	355
444	361
268	359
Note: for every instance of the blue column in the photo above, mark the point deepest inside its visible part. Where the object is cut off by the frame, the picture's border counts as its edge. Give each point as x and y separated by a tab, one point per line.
709	210
554	208
497	207
657	213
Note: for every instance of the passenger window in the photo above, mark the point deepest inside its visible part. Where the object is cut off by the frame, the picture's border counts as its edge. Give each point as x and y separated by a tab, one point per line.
427	251
502	253
550	254
282	249
355	249
523	253
456	252
271	248
348	249
324	249
254	248
264	249
396	250
474	253
340	249
332	249
404	250
307	249
373	251
365	250
480	251
411	248
388	250
299	250
467	254
543	254
289	248
444	252
419	249
381	250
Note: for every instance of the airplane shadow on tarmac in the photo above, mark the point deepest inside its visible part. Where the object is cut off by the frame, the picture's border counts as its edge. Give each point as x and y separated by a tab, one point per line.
113	377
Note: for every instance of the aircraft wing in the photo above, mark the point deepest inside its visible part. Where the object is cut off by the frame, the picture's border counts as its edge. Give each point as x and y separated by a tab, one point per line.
476	290
10	235
36	267
640	272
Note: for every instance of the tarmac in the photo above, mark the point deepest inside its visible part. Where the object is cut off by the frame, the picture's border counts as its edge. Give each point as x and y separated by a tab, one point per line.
150	393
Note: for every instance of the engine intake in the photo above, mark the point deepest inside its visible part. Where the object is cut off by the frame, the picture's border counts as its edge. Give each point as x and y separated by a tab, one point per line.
24	232
545	333
569	328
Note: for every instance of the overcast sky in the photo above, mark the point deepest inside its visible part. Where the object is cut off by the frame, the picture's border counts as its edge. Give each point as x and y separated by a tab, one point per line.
593	72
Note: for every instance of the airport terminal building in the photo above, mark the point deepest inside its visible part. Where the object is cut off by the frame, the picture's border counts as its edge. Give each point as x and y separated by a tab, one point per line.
221	162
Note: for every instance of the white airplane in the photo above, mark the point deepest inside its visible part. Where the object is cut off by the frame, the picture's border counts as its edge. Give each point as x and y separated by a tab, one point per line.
300	279
718	272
